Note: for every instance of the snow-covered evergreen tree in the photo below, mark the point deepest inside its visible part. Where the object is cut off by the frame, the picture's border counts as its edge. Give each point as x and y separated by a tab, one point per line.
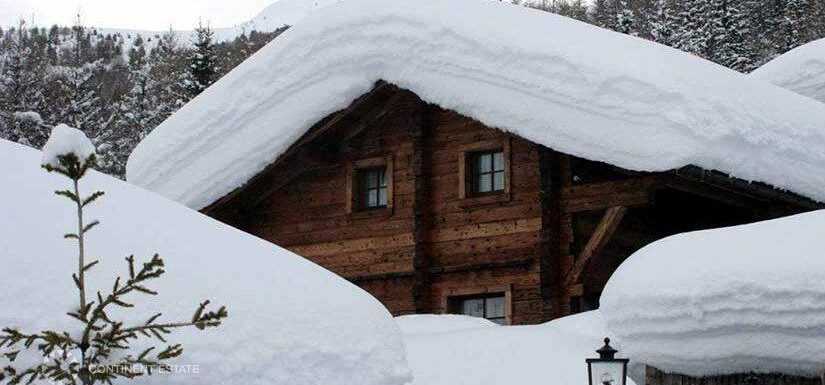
728	27
795	25
202	68
662	22
626	19
603	13
21	91
692	33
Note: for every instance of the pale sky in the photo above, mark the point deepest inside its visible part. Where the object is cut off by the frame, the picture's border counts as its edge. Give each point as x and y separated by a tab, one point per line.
132	14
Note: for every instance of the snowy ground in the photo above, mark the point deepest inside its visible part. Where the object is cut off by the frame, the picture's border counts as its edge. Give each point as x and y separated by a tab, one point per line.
732	300
290	321
457	350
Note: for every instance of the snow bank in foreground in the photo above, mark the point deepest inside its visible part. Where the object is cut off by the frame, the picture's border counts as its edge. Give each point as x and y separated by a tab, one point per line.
552	353
603	96
740	299
290	321
801	70
440	323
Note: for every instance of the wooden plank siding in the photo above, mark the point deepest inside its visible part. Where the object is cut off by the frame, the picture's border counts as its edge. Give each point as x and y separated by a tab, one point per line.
436	241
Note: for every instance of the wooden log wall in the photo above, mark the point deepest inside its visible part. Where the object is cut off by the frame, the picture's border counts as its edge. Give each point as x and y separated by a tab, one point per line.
482	244
378	250
548	243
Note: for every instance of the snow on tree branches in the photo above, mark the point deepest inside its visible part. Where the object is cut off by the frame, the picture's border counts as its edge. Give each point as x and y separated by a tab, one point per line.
103	343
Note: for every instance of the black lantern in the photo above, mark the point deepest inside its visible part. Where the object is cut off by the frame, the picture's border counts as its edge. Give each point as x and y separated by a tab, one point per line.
607	369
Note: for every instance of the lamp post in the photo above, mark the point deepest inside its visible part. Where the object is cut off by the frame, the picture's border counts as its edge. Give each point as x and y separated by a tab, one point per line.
607	369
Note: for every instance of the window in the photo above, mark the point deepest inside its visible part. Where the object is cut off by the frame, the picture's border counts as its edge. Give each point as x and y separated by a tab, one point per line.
373	188
369	187
491	307
487	172
484	172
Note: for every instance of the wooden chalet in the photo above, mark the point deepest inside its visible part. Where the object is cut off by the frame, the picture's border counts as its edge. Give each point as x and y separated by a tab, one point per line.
434	212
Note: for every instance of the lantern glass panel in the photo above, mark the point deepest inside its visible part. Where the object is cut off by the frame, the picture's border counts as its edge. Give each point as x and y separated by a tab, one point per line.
607	373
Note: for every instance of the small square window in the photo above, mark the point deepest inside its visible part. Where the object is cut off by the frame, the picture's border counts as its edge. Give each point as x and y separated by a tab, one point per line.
372	184
491	307
487	172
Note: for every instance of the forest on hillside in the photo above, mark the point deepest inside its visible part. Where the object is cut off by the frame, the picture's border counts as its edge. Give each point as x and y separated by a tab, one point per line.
117	87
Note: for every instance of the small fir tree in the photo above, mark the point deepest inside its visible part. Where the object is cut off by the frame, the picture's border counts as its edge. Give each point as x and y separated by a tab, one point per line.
102	339
202	68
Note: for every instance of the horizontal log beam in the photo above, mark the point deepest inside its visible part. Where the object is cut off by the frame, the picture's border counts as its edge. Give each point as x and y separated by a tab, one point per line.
600	196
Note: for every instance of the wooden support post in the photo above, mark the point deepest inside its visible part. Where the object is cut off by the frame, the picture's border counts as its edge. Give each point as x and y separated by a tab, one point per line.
604	231
549	246
419	132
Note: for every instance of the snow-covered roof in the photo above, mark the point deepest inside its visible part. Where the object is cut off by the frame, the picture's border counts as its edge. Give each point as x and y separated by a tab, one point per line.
453	353
568	85
290	321
732	300
801	70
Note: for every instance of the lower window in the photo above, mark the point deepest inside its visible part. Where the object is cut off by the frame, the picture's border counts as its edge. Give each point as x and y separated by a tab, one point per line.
491	307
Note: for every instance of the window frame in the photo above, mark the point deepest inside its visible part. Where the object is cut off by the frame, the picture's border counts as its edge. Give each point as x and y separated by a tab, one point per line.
458	305
364	188
467	173
475	174
354	201
452	299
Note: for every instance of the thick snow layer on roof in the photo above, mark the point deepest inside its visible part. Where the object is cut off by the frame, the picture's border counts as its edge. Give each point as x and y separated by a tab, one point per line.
801	70
290	321
599	95
552	353
732	300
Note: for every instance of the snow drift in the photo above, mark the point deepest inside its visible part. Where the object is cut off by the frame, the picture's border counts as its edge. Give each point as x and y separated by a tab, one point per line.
602	96
733	300
448	350
440	323
290	321
801	70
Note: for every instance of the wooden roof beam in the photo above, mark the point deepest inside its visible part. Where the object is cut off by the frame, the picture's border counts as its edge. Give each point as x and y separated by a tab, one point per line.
604	232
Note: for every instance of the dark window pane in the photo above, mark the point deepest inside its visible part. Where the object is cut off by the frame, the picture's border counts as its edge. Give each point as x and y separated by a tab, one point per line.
487	172
485	163
373	191
372	178
382	196
372	198
498	181
490	307
494	307
473	307
483	184
498	161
